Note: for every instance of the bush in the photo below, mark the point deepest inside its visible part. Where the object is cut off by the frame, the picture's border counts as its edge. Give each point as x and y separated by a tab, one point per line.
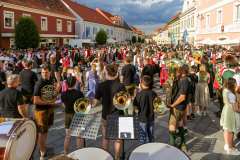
139	40
26	34
101	37
134	39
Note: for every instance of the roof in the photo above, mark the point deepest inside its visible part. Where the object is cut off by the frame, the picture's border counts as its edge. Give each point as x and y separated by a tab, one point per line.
137	31
161	28
53	6
87	14
174	17
112	18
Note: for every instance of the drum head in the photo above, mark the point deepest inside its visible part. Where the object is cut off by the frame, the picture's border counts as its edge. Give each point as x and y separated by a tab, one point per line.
157	151
22	142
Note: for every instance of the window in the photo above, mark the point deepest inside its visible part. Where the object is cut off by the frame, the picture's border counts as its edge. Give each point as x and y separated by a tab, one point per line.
59	25
8	19
88	32
44	24
192	21
94	30
26	15
69	26
208	21
219	16
238	12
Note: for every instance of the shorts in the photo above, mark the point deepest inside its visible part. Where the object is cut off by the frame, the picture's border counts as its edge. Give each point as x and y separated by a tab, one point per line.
68	119
146	132
44	119
175	116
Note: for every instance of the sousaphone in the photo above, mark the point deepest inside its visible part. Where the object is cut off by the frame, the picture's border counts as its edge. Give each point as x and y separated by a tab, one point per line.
122	100
82	106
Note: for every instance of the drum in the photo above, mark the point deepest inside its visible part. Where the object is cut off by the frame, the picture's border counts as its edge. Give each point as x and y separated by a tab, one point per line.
17	139
157	151
91	153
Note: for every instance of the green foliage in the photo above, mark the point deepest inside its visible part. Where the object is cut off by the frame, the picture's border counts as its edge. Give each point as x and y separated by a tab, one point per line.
101	37
26	34
143	40
134	39
139	40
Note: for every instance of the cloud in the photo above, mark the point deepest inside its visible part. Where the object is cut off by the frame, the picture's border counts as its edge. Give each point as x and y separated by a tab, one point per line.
139	12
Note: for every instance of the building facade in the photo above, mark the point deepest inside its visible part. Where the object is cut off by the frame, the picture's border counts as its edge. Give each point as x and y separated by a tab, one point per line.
55	23
161	35
218	22
174	29
188	22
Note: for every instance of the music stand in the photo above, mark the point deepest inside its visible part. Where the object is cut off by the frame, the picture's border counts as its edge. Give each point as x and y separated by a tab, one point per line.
113	129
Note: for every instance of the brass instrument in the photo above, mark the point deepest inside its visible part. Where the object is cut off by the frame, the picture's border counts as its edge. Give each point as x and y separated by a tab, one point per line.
131	90
159	106
82	105
121	100
49	93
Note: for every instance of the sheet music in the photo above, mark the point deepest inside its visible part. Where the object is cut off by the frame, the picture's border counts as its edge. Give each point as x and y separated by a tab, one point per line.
126	126
5	127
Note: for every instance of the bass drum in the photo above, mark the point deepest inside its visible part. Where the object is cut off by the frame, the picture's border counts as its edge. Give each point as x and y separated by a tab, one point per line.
17	139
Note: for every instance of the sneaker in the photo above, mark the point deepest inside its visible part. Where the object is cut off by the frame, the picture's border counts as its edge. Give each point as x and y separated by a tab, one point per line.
226	147
43	157
204	113
199	113
233	151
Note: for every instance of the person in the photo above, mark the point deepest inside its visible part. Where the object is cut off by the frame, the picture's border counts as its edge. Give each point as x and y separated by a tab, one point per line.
128	72
177	107
69	98
93	80
145	109
2	76
202	96
28	79
11	100
229	118
43	113
105	92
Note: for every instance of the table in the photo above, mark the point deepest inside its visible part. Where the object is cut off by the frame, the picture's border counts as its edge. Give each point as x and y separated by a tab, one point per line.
157	151
90	154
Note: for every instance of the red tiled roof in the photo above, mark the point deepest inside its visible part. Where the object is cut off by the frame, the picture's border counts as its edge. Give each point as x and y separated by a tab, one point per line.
88	14
53	6
137	31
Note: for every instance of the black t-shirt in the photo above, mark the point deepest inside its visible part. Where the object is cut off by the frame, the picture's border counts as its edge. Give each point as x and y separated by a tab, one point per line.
69	98
128	73
2	79
37	92
10	99
144	102
106	91
28	79
180	87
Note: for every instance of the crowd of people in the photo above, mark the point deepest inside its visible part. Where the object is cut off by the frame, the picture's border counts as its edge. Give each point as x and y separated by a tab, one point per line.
190	77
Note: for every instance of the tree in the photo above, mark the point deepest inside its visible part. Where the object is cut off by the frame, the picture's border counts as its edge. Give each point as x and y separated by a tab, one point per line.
101	37
139	40
143	40
26	34
134	39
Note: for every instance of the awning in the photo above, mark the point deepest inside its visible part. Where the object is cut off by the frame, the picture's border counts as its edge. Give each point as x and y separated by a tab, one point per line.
207	42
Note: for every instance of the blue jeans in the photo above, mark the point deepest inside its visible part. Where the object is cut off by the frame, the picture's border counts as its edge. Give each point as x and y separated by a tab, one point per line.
146	132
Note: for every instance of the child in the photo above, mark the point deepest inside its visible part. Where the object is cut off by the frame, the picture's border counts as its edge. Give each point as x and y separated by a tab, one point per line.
144	107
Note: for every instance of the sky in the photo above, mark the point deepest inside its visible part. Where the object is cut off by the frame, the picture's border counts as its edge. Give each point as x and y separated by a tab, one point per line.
145	14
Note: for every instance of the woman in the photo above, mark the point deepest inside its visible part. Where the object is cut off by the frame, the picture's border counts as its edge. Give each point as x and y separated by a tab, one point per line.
202	97
92	80
229	118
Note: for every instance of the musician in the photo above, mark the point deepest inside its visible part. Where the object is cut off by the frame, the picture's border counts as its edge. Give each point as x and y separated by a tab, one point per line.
44	114
28	79
178	105
128	72
69	98
11	100
145	110
2	76
105	92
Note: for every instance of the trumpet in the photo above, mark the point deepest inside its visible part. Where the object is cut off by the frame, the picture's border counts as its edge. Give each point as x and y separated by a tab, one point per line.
159	105
121	100
82	106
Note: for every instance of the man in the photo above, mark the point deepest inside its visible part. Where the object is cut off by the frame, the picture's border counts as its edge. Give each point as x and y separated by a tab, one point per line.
44	110
11	100
178	105
2	76
105	92
128	72
28	79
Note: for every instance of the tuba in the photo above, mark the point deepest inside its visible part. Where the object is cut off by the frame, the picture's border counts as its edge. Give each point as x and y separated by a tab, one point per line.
121	100
82	106
49	93
159	106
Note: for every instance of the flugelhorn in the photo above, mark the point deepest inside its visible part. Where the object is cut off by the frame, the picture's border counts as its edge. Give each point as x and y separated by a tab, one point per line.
49	93
82	106
159	105
122	100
